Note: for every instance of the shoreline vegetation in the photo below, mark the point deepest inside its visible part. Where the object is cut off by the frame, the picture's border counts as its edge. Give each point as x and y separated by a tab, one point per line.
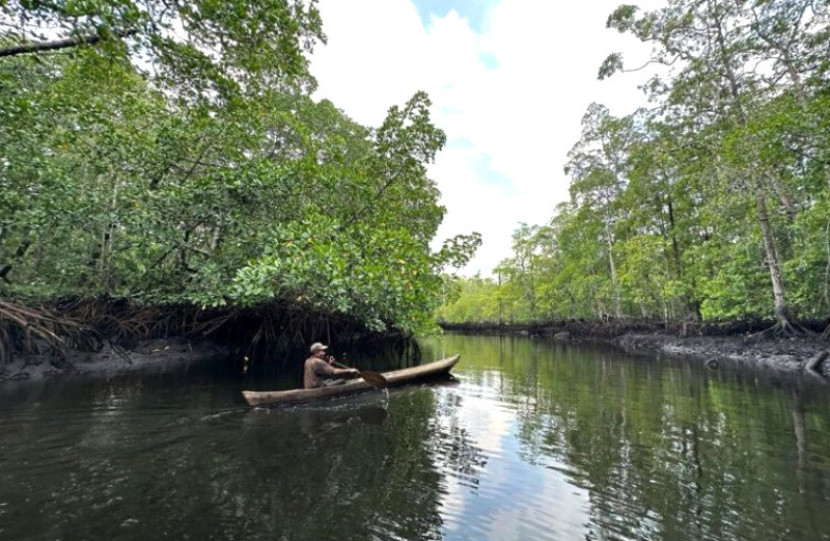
113	337
736	344
85	338
165	174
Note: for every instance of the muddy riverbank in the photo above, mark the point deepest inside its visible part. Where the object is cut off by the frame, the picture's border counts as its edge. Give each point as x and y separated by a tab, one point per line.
156	355
738	345
734	344
110	337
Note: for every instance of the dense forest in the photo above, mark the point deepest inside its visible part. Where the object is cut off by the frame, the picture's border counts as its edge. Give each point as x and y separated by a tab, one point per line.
712	204
169	154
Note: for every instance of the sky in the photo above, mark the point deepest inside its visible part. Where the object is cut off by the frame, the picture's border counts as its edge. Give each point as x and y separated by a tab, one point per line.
509	81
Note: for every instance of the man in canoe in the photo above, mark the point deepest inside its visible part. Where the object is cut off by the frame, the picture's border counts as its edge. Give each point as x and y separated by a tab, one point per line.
318	370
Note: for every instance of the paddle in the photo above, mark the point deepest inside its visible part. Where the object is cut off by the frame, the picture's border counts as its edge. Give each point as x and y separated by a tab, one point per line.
372	378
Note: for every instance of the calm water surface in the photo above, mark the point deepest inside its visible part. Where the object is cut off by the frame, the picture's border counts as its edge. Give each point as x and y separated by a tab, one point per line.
533	441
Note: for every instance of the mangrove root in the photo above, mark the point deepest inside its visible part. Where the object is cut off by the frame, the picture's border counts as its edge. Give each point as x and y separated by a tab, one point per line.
36	330
784	328
814	365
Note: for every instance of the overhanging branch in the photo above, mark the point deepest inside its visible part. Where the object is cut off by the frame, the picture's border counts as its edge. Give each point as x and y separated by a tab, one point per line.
41	46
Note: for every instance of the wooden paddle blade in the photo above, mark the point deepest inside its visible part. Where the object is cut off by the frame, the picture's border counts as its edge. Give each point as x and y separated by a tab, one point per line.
374	379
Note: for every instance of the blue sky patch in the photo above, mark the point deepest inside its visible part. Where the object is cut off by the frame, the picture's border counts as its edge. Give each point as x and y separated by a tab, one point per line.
482	168
489	60
460	142
474	11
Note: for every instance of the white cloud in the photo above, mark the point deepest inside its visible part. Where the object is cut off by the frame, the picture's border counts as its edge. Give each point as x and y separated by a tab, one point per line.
523	115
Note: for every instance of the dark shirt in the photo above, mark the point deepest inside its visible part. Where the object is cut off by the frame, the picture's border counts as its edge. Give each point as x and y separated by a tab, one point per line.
314	372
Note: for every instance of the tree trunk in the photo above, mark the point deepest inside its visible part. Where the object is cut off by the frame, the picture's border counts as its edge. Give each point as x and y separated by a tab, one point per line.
108	234
779	297
613	267
675	248
783	196
18	255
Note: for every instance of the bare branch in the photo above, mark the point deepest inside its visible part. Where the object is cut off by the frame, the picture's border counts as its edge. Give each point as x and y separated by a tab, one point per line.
66	43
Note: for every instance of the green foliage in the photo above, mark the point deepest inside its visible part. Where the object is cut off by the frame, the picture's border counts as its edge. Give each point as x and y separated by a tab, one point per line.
382	276
216	180
203	49
714	204
471	300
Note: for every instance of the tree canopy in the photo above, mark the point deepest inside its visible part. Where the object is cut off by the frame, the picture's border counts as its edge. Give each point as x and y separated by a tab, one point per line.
170	152
714	203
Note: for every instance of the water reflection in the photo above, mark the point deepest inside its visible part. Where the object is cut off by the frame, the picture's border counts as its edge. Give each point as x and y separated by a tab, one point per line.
135	463
533	441
664	450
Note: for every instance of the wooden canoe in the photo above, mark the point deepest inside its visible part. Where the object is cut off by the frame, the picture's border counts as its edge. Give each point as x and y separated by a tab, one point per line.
396	377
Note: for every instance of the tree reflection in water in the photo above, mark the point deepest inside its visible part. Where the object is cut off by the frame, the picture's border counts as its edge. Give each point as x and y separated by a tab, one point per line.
331	475
666	450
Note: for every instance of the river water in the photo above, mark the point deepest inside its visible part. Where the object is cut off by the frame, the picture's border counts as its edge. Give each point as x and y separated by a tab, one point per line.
533	441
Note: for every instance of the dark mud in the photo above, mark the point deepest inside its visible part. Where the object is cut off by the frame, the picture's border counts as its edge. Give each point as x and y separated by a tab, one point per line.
739	345
157	355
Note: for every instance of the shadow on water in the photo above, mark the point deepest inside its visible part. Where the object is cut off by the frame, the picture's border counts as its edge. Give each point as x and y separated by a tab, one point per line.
324	416
370	407
146	460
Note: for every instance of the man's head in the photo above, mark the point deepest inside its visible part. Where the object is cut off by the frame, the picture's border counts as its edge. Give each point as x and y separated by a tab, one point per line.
317	348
